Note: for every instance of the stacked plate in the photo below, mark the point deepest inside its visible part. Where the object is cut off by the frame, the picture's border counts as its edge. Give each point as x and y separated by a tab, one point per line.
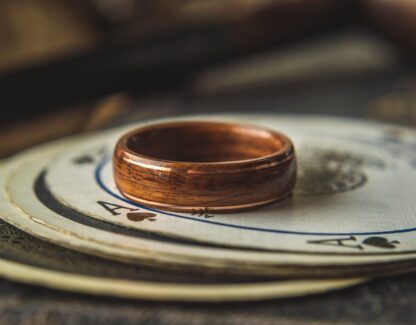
350	218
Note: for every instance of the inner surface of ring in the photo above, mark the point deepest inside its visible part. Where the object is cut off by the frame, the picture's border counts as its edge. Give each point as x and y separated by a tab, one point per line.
204	142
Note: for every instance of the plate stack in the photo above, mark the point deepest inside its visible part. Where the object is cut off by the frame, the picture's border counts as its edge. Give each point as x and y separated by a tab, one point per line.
351	218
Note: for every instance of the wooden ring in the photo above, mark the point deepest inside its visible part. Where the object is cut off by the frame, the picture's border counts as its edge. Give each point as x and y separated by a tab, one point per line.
204	166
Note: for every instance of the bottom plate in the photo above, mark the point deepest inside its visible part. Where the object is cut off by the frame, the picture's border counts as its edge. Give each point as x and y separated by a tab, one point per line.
26	259
171	292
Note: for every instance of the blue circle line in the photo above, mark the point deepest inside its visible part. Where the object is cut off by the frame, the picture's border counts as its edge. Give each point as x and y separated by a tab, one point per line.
99	181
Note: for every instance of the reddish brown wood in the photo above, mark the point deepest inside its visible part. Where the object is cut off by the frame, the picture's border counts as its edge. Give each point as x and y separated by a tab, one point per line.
188	166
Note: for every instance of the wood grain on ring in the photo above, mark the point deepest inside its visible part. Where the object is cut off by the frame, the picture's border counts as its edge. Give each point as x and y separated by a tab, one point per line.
216	167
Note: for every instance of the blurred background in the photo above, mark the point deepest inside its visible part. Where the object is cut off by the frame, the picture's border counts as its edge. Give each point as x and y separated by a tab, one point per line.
75	66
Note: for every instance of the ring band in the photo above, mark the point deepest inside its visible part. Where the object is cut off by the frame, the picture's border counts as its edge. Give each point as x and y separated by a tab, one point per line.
204	166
